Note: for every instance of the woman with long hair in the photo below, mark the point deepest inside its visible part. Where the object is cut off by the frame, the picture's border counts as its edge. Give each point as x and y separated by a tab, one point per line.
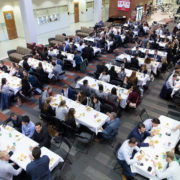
133	79
61	111
95	103
70	118
5	89
47	109
81	98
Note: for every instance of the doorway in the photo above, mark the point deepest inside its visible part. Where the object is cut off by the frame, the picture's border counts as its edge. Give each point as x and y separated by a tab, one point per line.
76	12
10	24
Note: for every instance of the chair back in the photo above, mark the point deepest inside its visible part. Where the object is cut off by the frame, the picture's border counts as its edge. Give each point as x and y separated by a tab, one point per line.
115	151
143	115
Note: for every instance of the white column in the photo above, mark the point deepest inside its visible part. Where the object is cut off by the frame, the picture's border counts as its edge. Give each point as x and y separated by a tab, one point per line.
97	10
28	21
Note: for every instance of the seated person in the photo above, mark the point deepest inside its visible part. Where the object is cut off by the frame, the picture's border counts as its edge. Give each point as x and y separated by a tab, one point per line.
72	48
156	56
95	103
7	171
38	168
125	84
112	73
86	88
134	97
125	155
47	109
16	121
68	92
28	127
137	52
132	80
70	118
81	98
61	111
135	62
101	68
122	74
148	64
88	52
112	96
26	65
140	133
104	77
100	92
65	47
42	75
126	64
77	59
3	67
57	71
111	127
5	89
143	69
172	171
150	123
41	135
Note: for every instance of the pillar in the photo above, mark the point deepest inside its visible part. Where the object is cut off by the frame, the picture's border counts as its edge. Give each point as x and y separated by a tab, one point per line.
28	21
97	10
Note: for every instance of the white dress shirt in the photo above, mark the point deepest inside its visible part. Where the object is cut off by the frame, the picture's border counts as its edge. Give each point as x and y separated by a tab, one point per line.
125	153
171	173
7	171
170	83
148	124
105	78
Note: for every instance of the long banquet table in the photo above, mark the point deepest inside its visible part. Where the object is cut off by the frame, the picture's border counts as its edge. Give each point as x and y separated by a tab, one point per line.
155	64
85	115
94	84
164	140
13	81
142	78
10	137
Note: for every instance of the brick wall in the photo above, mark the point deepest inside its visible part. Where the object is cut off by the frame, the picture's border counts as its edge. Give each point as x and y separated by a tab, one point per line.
113	10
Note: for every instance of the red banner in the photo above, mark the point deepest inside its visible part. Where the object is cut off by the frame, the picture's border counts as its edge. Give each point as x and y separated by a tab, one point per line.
124	5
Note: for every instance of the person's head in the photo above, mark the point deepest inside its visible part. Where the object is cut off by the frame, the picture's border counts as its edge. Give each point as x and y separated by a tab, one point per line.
36	152
114	91
155	122
13	116
25	74
141	127
46	104
132	142
25	120
94	99
54	63
174	77
62	103
3	82
65	88
147	60
49	90
155	52
143	67
4	156
125	60
38	127
64	44
147	52
25	59
85	82
137	48
112	116
101	88
40	65
112	68
122	69
169	156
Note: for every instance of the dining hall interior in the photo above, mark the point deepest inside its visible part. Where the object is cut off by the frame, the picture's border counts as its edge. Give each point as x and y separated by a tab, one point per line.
89	89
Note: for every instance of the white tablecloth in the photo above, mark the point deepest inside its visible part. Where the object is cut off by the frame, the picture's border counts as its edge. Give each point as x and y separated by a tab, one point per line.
161	44
85	115
10	137
151	51
162	144
34	63
91	39
94	84
163	36
55	52
13	81
142	78
155	65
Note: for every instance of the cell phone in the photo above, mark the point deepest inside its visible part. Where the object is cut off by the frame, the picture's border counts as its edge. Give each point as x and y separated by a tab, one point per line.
10	153
149	169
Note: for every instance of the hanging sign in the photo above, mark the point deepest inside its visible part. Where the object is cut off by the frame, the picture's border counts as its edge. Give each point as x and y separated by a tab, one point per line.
124	5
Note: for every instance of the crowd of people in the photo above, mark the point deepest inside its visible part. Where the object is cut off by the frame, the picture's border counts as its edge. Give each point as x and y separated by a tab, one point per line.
107	39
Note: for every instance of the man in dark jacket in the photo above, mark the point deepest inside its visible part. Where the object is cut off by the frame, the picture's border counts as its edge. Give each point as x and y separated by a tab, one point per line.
87	52
140	134
135	62
41	135
16	121
38	168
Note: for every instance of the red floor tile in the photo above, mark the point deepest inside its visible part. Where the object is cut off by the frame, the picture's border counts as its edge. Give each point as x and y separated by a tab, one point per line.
67	82
93	67
30	104
70	77
3	117
17	110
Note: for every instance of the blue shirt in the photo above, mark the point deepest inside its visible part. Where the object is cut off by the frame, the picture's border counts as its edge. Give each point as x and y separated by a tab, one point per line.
39	169
28	130
111	129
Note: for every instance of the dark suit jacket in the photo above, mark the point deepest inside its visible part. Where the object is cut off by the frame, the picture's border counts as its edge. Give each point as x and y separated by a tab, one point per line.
71	93
134	63
39	169
140	137
42	138
16	123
